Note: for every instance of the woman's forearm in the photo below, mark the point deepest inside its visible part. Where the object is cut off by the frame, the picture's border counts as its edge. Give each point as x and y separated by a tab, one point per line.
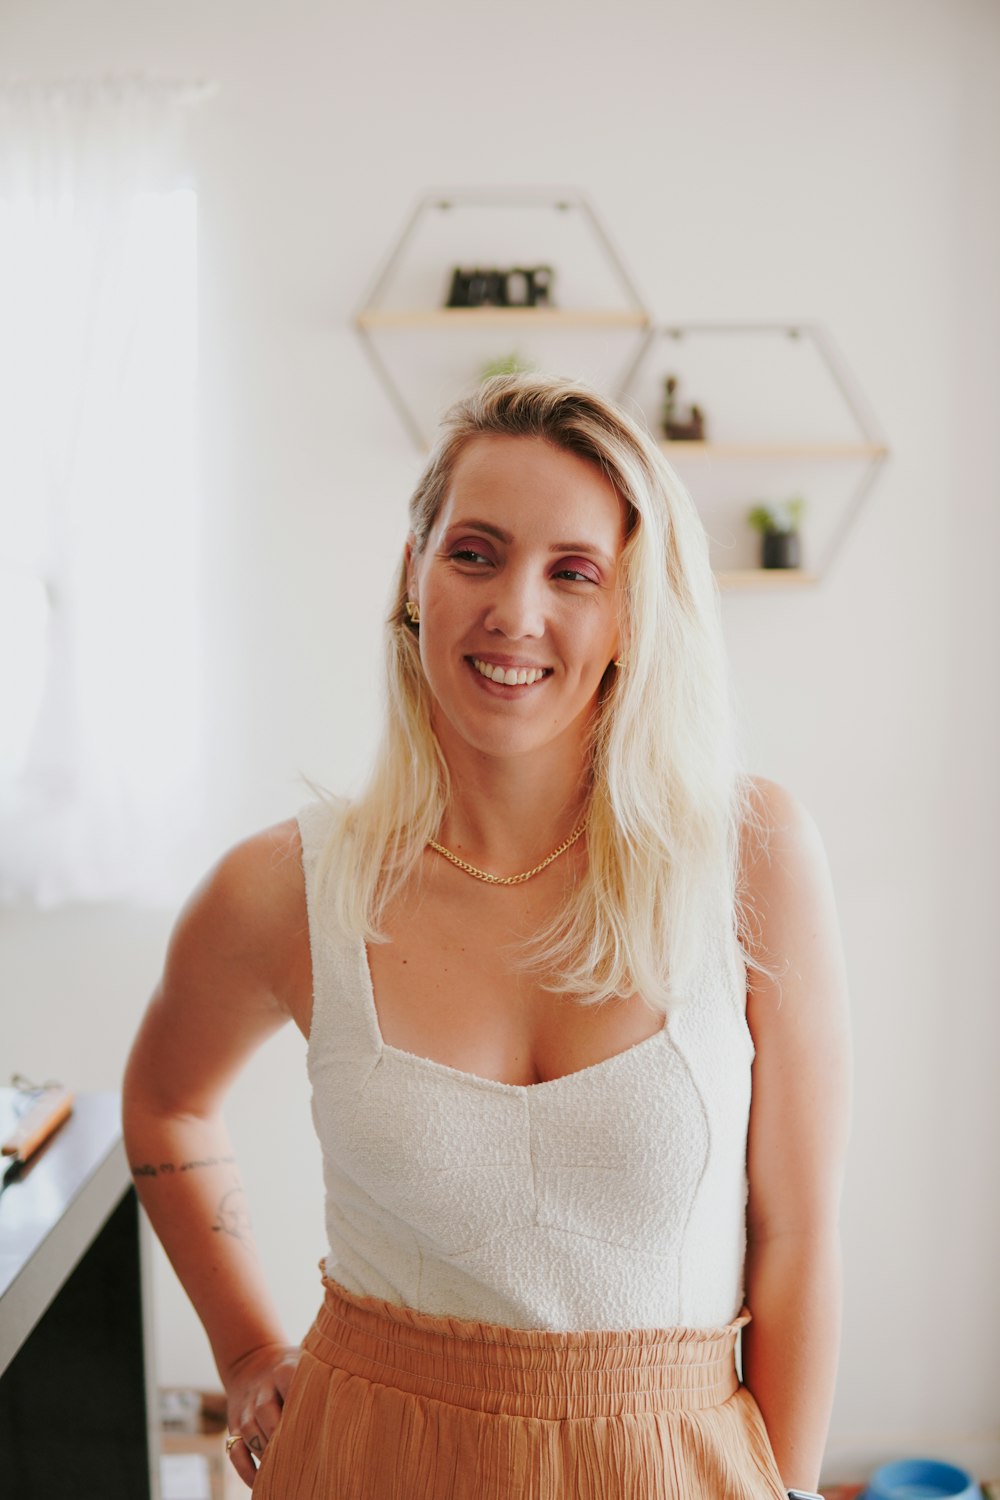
186	1176
791	1347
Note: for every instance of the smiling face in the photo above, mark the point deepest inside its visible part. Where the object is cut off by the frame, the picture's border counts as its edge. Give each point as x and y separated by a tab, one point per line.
518	589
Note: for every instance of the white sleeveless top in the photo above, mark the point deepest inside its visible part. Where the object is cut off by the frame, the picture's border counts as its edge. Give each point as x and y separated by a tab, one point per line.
611	1198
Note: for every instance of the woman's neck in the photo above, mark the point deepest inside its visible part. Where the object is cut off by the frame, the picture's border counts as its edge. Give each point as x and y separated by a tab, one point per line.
504	814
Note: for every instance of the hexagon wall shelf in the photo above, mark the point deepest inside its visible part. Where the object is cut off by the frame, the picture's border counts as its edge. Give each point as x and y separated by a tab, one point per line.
596	312
784	415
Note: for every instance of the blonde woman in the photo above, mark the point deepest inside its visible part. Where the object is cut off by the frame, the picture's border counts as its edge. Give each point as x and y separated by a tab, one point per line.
577	1023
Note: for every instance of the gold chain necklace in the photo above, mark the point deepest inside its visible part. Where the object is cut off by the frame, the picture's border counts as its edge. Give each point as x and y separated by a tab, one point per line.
507	879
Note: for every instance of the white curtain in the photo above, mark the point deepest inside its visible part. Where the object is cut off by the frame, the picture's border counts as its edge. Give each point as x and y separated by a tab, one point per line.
100	780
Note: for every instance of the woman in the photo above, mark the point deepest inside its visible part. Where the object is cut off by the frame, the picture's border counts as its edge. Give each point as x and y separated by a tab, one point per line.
534	962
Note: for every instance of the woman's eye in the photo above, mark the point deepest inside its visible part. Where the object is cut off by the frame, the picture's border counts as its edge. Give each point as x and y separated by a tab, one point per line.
575	576
468	554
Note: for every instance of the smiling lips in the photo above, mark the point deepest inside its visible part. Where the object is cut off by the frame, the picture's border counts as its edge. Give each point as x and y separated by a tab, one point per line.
509	676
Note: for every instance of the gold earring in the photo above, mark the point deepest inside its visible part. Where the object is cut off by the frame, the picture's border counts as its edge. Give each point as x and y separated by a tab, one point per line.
619	661
413	612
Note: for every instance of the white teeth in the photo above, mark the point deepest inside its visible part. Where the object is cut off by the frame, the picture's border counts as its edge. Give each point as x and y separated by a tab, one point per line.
508	676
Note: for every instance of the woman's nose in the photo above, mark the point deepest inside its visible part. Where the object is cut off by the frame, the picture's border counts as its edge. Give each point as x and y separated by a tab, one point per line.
516	606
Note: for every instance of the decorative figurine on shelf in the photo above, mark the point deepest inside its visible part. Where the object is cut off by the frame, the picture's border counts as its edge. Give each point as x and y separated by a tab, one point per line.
521	286
509	364
691	431
539	291
778	524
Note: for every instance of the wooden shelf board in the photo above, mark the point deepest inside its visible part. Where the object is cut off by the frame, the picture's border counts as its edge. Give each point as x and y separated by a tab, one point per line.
491	317
684	450
765	578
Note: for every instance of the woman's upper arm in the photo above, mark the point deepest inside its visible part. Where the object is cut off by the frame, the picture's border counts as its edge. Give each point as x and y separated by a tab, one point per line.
800	1024
221	992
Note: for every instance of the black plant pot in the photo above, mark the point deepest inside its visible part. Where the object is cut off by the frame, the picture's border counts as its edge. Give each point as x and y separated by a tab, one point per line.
781	549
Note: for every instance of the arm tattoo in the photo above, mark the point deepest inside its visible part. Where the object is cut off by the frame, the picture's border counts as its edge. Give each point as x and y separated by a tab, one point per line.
232	1210
170	1168
234	1215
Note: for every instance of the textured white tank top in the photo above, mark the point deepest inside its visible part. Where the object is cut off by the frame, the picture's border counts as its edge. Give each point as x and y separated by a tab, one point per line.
611	1198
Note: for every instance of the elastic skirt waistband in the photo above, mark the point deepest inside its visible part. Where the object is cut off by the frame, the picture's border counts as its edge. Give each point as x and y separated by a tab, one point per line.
525	1371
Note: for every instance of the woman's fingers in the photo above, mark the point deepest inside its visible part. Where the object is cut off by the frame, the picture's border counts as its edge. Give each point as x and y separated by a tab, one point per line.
266	1415
258	1425
253	1435
255	1409
242	1461
285	1373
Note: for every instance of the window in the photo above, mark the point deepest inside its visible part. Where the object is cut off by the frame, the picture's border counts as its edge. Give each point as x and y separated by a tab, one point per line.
99	621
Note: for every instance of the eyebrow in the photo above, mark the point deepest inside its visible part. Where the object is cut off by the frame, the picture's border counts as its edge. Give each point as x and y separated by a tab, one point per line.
507	539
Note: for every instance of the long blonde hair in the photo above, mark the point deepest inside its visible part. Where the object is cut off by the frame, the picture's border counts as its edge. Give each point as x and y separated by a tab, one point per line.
667	799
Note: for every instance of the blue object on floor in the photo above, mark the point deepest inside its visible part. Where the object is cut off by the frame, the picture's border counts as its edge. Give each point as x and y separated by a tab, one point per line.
921	1479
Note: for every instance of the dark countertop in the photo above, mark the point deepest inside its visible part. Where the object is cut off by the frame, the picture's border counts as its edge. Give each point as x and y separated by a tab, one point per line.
53	1208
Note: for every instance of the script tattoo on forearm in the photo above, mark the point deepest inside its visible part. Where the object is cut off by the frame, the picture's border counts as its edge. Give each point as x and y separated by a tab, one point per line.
171	1168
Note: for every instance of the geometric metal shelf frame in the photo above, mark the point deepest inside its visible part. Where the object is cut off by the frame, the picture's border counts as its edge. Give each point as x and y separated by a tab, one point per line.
870	448
373	317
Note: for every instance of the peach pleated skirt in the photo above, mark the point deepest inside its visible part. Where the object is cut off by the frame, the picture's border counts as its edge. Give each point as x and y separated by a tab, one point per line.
390	1404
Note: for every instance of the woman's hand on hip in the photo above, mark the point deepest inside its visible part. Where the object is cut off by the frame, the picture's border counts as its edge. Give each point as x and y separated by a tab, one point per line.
256	1387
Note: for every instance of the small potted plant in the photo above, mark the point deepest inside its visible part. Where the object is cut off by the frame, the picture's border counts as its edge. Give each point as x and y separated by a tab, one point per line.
508	364
778	524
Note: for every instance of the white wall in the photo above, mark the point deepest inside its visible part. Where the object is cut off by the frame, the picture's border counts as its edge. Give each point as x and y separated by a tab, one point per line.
830	161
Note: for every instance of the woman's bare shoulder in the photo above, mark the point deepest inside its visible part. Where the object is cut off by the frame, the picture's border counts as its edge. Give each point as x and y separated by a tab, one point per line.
262	879
271	856
775	821
774	803
247	916
784	867
259	867
236	967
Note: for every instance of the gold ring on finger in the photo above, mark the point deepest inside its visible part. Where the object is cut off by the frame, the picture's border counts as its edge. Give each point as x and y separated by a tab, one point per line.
232	1440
